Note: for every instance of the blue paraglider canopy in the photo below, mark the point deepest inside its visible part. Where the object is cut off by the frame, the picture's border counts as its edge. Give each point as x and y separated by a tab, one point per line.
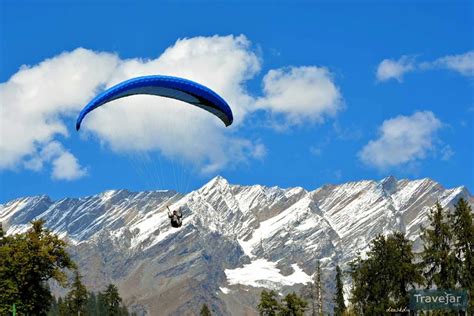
165	86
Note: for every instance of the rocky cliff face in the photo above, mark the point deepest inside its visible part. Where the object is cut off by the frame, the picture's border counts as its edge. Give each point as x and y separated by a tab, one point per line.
234	240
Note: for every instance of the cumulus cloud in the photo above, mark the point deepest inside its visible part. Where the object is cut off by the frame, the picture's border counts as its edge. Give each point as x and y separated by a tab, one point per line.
402	140
64	165
463	63
36	99
39	105
395	69
174	128
301	94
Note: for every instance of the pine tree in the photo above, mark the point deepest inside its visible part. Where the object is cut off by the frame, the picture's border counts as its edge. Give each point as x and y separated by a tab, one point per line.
268	305
339	305
112	300
385	277
370	292
438	258
54	308
405	274
62	307
101	304
77	297
27	262
9	293
358	271
92	304
463	233
205	311
293	305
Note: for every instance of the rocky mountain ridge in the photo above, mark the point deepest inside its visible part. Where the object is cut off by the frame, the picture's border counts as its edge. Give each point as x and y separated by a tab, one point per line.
234	240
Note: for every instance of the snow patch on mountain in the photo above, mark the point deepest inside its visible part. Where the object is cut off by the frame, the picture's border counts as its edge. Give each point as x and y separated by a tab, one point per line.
264	273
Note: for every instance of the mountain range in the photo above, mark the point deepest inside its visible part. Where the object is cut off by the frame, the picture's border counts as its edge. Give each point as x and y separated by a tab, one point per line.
235	240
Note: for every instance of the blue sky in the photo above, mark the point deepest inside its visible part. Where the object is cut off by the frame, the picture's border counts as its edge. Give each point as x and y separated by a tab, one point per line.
323	92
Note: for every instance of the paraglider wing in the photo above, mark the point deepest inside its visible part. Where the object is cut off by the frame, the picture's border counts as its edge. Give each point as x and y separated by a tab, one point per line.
164	86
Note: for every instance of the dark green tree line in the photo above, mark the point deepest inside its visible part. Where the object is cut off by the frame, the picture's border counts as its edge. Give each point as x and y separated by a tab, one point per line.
383	279
438	259
290	305
27	262
205	311
339	304
448	254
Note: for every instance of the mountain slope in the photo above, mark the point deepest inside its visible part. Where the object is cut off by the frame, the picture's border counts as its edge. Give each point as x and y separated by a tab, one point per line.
234	239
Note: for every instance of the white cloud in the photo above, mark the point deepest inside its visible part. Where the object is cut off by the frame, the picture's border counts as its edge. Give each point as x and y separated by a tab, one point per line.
36	99
172	127
301	94
395	69
463	63
40	103
402	140
446	152
259	151
64	165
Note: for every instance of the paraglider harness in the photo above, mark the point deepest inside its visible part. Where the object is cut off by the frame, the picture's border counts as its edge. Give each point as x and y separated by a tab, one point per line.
176	217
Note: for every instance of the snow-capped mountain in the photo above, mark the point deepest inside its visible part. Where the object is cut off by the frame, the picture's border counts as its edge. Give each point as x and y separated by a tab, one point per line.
235	239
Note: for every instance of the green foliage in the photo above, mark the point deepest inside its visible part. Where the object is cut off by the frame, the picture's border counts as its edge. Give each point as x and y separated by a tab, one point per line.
447	261
293	305
463	236
339	305
350	311
27	262
205	311
438	257
91	304
101	308
268	305
385	277
54	309
76	299
62	307
112	301
80	302
290	305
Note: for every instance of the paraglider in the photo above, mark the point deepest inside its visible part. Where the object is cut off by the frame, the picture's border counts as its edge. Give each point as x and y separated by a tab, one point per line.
165	86
175	217
169	87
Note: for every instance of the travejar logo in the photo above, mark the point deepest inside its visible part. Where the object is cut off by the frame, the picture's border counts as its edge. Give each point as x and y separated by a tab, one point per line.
447	298
438	300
